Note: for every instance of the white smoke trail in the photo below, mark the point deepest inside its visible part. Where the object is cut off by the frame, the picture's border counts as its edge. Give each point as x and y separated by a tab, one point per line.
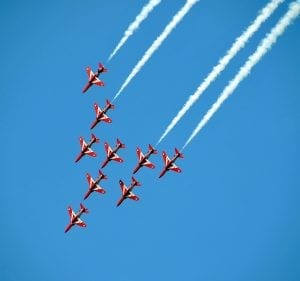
239	43
147	9
262	49
158	41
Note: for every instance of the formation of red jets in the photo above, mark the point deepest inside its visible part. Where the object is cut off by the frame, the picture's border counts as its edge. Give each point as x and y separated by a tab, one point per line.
111	154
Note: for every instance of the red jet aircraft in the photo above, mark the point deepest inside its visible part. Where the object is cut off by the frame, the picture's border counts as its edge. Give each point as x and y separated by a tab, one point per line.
143	159
101	114
75	218
93	77
94	184
112	153
86	148
169	163
126	191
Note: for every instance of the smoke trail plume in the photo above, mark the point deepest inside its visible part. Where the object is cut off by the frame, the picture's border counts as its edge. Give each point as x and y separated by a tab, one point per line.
147	9
239	43
157	42
262	49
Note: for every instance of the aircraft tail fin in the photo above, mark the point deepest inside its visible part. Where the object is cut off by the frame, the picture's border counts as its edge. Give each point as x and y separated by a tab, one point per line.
135	182
102	68
103	176
108	103
94	138
154	151
178	153
122	145
84	209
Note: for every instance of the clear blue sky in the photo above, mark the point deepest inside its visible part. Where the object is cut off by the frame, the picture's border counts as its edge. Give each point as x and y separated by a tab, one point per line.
233	213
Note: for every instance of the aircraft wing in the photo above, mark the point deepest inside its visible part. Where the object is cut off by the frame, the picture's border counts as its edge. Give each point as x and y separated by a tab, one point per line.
80	222
90	180
90	152
123	186
89	73
83	144
97	110
148	164
97	81
105	118
107	149
175	168
99	189
140	154
71	213
132	196
166	158
116	157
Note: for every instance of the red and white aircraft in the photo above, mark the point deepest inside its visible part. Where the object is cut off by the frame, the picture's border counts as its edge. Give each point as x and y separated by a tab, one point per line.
93	77
94	184
126	191
112	153
143	159
101	114
86	148
169	163
75	218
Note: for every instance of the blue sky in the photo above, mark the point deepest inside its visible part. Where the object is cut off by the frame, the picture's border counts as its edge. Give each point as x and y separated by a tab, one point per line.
233	213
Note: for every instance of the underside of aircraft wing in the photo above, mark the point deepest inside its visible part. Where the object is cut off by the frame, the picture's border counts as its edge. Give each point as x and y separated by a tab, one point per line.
71	213
90	152
175	168
83	144
97	110
140	154
97	81
116	157
166	158
99	189
90	180
123	187
108	149
89	73
148	164
132	196
105	118
80	223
